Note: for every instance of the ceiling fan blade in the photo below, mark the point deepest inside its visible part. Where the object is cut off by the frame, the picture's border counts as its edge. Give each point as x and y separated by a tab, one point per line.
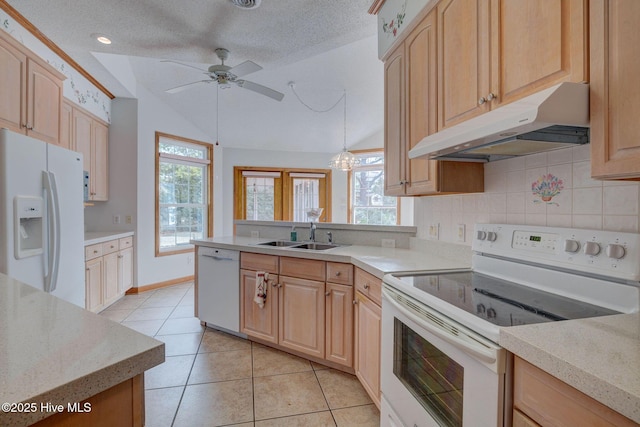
263	90
184	65
183	87
247	67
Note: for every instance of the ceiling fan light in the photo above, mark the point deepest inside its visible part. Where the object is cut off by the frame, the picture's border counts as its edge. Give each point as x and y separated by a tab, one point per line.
246	4
344	160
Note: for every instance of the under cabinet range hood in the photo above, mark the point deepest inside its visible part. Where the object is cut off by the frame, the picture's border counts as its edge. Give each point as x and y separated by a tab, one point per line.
557	117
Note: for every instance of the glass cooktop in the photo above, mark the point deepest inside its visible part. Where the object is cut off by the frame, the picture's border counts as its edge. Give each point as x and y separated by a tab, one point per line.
499	301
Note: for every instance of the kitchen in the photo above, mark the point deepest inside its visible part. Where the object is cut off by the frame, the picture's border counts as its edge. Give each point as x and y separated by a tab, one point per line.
582	203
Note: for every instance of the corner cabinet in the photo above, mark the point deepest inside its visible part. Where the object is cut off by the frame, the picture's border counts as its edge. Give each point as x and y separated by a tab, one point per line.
491	53
31	91
411	114
615	104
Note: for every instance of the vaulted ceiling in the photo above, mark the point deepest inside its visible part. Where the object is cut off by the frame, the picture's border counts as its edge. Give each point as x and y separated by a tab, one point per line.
324	46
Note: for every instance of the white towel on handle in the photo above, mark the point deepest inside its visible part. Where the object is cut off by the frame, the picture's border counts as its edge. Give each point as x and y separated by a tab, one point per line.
262	279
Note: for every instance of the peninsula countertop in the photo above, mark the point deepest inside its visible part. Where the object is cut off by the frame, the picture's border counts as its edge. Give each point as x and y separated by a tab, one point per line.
599	356
53	351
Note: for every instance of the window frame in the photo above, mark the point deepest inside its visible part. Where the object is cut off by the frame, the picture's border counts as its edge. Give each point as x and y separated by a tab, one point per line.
350	186
283	194
209	193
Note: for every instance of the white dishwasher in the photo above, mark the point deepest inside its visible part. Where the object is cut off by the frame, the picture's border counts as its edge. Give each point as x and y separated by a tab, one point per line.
219	288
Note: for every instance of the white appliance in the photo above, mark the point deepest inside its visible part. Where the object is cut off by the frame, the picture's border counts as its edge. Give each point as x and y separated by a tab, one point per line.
42	216
442	364
219	289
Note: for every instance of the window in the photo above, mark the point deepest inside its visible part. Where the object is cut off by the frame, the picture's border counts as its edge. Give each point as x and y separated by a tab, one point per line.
183	193
276	194
367	202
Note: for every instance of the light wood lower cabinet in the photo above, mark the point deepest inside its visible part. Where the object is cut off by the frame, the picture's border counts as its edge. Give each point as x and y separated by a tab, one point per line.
303	311
108	272
368	327
540	399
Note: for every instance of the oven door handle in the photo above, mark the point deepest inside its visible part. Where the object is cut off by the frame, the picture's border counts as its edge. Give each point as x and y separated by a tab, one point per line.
478	350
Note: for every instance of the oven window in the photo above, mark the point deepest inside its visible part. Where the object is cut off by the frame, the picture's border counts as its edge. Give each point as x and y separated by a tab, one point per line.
430	375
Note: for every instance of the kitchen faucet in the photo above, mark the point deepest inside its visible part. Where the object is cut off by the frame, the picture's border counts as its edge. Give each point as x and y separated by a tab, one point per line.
312	232
329	237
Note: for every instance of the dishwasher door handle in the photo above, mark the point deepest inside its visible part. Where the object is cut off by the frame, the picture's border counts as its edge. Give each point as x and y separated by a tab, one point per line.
218	258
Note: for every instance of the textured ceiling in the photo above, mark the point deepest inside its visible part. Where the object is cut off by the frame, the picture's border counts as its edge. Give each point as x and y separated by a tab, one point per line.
325	46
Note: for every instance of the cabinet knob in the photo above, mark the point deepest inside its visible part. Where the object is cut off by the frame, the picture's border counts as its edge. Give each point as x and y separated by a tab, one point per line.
279	285
482	100
95	252
327	293
355	301
491	96
275	285
337	273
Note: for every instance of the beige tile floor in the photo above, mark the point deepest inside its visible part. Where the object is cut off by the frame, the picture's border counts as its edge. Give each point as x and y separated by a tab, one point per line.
210	378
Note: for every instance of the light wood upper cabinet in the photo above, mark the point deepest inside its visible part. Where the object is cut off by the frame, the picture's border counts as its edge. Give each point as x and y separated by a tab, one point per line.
30	92
91	138
493	52
411	114
463	60
615	89
66	125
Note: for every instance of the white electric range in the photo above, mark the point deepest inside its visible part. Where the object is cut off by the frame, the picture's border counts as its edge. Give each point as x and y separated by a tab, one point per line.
442	364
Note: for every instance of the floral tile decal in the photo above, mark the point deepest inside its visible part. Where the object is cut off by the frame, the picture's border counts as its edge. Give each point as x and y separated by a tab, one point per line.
546	187
395	24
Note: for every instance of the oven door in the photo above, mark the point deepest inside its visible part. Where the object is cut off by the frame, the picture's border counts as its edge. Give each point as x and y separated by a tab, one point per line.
435	372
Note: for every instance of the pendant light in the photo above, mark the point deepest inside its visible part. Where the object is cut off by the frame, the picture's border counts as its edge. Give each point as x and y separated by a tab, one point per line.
344	160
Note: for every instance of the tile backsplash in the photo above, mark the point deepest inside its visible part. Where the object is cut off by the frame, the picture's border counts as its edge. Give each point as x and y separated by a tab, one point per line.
553	189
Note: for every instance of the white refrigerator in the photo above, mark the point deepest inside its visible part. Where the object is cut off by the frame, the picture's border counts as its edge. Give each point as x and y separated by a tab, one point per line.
42	216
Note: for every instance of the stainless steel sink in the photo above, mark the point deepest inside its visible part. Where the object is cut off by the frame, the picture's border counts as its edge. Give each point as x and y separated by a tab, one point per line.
312	246
279	243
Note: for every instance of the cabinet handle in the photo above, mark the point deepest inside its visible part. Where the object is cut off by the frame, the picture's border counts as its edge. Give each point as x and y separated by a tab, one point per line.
366	286
279	285
275	285
120	256
326	294
482	100
355	302
491	96
95	252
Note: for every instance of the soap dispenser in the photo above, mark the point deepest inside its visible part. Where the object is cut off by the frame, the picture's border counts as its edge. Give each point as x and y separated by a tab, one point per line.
294	234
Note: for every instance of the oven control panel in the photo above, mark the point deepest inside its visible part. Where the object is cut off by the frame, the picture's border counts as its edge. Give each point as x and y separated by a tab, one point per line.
609	253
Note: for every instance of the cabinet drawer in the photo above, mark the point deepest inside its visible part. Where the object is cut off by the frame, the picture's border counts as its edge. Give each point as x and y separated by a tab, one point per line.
304	268
109	247
125	242
369	285
549	401
338	272
259	262
92	251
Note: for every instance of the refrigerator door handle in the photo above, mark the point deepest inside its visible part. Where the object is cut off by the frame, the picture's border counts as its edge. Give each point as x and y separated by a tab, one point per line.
53	262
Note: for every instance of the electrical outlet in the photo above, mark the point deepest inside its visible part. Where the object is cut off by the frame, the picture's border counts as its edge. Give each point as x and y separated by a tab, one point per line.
388	243
128	219
461	232
434	231
116	219
255	234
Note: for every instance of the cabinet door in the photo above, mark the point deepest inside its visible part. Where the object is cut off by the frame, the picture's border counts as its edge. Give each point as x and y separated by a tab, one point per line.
536	44
110	281
125	270
394	124
301	307
93	284
44	102
339	324
615	88
521	420
421	90
368	317
463	60
255	321
13	88
66	126
99	161
81	131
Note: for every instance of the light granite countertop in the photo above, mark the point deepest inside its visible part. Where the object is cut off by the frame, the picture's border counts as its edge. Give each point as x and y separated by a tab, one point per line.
373	259
93	237
53	351
599	356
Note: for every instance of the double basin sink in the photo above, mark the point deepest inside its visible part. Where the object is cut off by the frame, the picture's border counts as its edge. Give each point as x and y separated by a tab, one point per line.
311	246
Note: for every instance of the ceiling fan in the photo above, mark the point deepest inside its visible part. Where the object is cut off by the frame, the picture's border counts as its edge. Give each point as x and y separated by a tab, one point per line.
225	75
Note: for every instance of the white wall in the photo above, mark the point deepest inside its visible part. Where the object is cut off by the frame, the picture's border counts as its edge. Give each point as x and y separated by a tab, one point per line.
509	198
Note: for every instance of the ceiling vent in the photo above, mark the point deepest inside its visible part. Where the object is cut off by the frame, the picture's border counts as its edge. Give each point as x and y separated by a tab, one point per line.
246	4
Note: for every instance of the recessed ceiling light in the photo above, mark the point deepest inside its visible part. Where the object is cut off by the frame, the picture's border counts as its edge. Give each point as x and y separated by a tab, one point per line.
101	38
246	4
